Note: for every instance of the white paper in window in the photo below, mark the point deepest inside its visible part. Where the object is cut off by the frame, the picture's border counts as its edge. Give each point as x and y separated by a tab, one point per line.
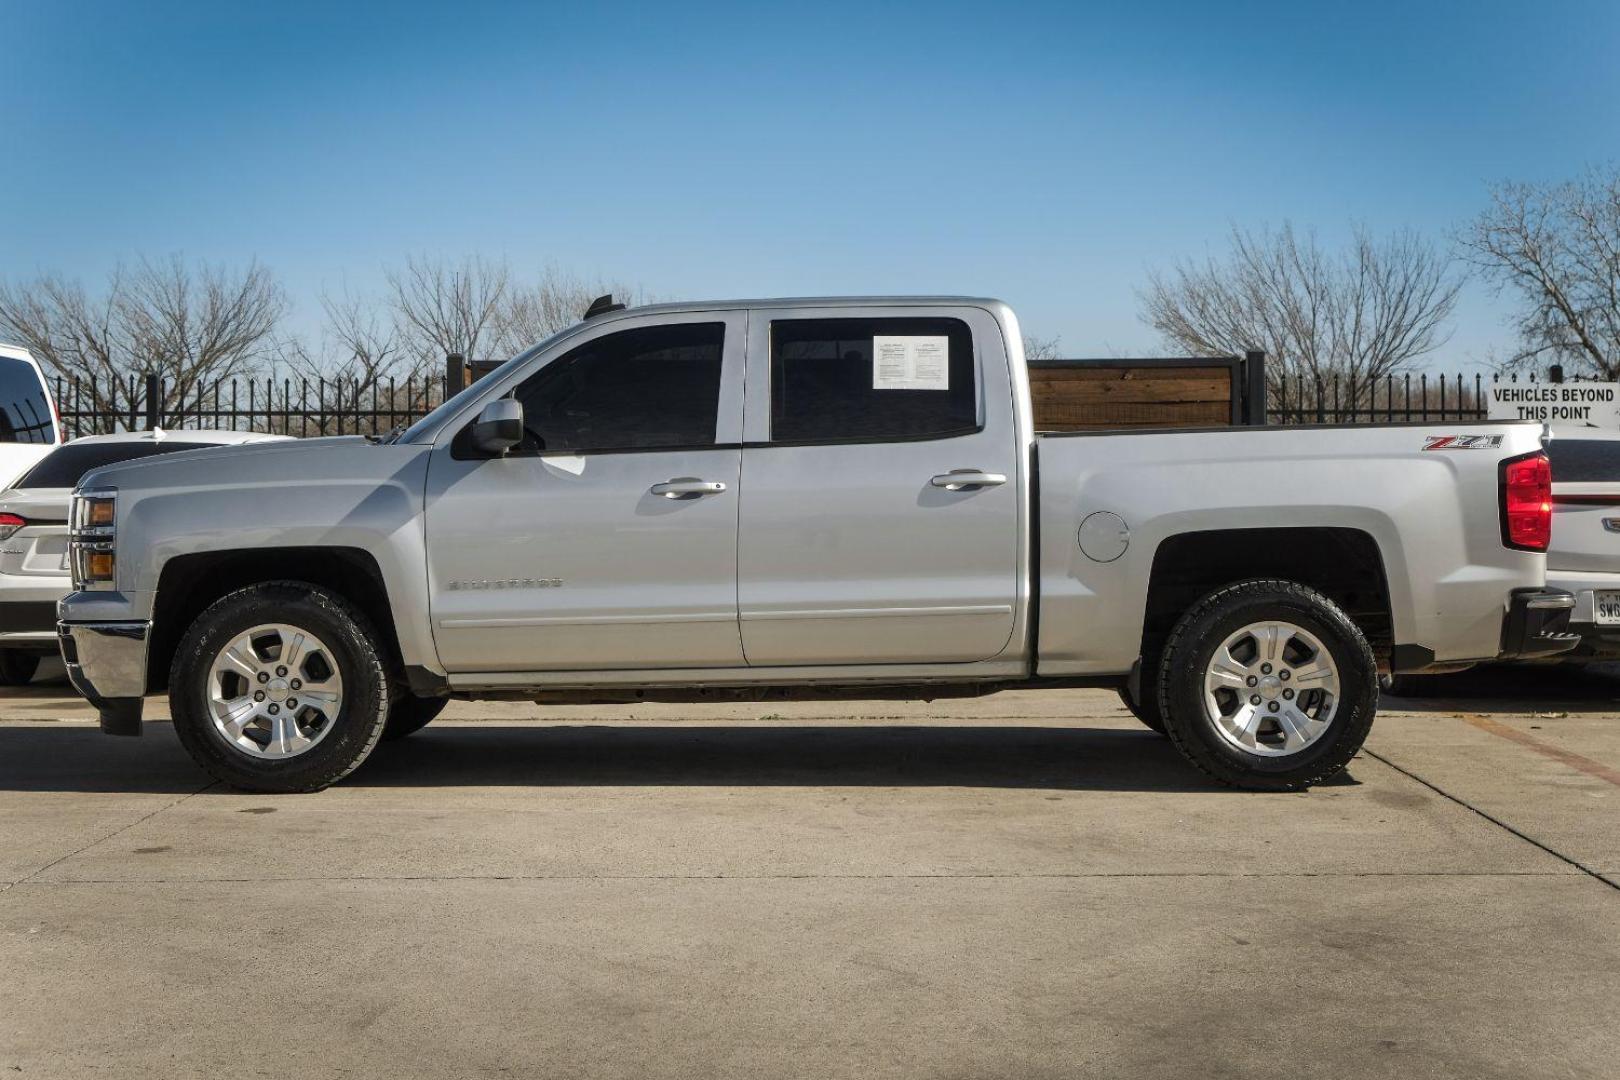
911	363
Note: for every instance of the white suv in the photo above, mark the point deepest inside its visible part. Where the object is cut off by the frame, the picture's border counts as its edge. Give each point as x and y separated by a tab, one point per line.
34	534
28	424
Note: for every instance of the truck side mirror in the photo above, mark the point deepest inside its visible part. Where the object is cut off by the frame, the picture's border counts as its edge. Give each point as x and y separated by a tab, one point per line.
499	427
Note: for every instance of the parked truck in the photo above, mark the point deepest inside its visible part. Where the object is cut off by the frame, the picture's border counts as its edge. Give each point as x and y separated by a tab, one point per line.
800	498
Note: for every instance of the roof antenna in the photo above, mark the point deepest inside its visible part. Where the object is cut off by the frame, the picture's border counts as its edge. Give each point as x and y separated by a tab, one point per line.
602	305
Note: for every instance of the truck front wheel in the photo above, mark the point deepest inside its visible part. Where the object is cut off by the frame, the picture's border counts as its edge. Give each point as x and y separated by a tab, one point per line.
279	687
1267	685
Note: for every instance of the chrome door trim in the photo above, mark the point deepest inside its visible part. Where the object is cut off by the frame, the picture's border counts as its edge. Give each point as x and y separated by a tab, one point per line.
879	612
587	620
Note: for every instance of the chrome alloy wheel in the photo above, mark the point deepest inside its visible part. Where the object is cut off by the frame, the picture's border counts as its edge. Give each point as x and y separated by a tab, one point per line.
274	691
1271	689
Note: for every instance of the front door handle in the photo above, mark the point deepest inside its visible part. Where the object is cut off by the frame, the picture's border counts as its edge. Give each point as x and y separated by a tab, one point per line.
960	479
688	487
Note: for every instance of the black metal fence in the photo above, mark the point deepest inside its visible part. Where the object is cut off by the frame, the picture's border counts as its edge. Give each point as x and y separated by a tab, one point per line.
1409	396
285	406
310	407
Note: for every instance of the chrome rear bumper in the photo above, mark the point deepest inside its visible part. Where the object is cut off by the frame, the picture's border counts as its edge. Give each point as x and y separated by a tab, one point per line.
1537	624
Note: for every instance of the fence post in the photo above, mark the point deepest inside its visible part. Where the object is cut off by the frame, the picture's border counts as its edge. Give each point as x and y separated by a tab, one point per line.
1254	389
455	374
152	390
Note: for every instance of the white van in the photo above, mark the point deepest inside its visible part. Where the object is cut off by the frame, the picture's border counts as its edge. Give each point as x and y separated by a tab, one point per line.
29	428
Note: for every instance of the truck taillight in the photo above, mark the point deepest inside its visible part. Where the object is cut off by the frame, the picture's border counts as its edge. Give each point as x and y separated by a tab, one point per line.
1526	494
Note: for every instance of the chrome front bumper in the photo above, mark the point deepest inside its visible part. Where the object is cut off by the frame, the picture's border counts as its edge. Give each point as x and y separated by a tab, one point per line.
106	661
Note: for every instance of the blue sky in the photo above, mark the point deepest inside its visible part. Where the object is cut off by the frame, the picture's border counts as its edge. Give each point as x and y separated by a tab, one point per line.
1049	154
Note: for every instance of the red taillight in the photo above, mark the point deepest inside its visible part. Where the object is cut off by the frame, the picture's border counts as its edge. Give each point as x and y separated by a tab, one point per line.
1527	502
10	523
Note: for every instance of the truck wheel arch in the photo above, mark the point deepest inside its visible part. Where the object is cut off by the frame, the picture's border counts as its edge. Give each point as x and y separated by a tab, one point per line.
188	584
1344	564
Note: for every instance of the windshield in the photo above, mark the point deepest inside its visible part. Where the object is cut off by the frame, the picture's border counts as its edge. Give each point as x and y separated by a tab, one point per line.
62	468
472	390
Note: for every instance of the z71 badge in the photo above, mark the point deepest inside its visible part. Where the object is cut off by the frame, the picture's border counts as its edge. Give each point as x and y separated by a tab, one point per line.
1461	442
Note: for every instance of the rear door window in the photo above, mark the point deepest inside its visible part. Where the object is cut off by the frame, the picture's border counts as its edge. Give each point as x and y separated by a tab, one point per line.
25	411
1584	461
872	380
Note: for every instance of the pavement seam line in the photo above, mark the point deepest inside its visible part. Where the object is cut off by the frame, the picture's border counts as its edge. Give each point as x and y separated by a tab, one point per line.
102	840
1122	875
1494	820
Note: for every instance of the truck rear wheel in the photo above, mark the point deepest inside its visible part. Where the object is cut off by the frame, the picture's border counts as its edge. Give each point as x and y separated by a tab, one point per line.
279	687
1267	685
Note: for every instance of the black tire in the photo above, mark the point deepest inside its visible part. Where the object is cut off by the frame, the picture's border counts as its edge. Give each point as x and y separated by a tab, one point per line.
410	714
1225	612
17	668
351	639
1147	710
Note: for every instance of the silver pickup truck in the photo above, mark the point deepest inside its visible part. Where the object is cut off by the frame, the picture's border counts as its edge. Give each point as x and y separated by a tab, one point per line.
800	498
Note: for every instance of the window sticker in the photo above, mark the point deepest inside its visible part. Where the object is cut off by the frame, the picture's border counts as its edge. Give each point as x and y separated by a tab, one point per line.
911	363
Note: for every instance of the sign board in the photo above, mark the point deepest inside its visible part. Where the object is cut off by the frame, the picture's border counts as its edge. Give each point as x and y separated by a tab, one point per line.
1570	404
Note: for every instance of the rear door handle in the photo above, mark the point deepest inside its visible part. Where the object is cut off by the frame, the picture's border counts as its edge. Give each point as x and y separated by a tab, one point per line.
688	487
958	479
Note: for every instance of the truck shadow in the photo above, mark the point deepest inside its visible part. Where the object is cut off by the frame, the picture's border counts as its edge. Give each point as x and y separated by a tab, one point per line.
1515	688
1070	759
459	754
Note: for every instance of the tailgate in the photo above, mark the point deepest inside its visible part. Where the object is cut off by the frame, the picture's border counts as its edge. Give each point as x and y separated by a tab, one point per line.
1586	504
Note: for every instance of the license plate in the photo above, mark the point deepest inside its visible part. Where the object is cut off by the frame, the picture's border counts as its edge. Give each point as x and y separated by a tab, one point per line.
1607	605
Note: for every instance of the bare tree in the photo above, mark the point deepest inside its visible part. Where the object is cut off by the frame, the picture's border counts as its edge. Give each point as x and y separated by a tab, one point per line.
1558	247
190	324
1041	348
442	307
1357	315
475	306
554	301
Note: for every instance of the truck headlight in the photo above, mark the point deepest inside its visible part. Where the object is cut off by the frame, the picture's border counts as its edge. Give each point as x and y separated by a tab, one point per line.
92	531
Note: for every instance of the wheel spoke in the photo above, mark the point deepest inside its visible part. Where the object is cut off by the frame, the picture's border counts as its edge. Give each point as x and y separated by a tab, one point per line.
292	652
238	715
1277	641
1245	722
1298	728
243	663
1317	672
321	699
285	738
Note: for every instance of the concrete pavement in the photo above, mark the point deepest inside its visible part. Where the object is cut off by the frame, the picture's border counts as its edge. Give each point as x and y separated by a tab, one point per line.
1025	885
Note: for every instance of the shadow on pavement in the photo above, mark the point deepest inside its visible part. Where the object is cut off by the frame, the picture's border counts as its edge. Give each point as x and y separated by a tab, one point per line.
80	759
1516	688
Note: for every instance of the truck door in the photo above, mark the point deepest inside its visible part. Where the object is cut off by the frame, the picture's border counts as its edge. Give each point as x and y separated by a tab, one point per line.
608	538
880	523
